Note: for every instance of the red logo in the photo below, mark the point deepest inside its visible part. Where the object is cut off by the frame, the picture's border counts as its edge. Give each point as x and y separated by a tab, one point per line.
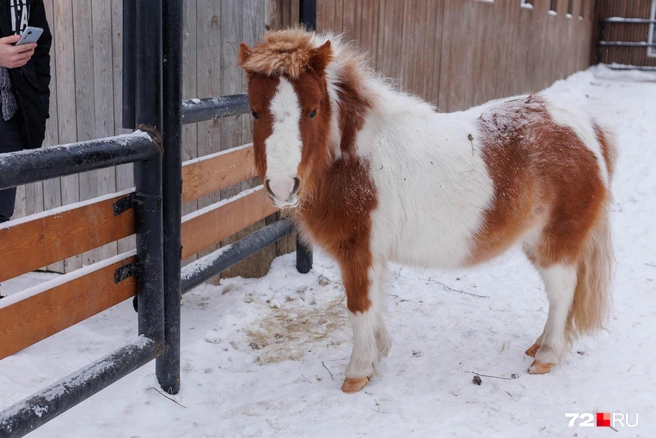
603	419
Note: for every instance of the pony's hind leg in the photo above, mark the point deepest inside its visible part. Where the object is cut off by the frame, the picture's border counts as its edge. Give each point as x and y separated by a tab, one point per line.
560	283
371	342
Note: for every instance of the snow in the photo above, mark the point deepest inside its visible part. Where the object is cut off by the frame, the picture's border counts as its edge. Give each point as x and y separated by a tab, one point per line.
259	355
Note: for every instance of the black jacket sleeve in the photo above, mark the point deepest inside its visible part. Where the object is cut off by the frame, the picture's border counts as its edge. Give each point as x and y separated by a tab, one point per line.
41	55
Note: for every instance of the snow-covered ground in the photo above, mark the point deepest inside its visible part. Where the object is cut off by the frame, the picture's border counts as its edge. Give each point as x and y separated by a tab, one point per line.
266	357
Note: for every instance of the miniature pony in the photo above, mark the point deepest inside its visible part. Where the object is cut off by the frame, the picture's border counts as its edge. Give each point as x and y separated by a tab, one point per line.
378	176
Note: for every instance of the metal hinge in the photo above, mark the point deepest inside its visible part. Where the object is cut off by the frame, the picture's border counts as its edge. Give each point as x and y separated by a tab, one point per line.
124	204
126	271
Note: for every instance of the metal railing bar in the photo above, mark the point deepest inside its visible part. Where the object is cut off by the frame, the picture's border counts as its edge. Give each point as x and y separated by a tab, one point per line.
628	20
213	264
18	168
36	410
200	110
627	44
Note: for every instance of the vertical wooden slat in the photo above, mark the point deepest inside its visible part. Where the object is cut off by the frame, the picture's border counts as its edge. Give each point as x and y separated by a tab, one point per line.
66	102
189	91
103	104
208	74
85	104
52	188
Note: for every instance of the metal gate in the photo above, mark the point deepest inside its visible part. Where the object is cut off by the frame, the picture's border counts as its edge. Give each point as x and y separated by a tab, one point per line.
152	104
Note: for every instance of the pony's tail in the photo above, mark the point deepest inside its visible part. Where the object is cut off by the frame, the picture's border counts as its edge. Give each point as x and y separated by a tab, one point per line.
592	297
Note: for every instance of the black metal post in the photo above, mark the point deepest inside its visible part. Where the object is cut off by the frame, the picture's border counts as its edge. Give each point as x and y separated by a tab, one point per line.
308	14
129	62
602	26
148	174
168	365
308	18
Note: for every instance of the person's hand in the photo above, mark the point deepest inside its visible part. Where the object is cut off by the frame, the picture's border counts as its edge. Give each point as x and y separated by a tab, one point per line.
14	56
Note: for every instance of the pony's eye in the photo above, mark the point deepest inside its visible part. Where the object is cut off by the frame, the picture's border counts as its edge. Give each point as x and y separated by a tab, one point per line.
256	116
313	114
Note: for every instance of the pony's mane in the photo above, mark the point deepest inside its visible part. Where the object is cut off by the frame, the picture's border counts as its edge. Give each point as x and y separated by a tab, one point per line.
288	52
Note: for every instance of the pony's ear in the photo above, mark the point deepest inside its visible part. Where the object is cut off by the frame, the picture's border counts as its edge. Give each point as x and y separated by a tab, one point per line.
320	57
245	52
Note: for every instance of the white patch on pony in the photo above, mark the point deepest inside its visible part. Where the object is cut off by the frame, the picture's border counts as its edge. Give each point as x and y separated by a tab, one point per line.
570	115
284	146
431	180
371	341
559	283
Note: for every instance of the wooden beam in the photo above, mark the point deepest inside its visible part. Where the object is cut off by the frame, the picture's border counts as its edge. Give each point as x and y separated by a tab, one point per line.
29	243
212	173
39	312
203	228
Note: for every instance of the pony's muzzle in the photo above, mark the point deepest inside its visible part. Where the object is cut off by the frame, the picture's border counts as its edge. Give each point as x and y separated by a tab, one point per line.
283	192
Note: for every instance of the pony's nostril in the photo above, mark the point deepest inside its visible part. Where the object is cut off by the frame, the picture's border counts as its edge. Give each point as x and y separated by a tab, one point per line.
268	189
297	185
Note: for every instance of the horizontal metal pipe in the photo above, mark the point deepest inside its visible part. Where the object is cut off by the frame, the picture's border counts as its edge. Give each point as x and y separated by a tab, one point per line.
628	20
18	168
36	410
200	110
627	44
213	264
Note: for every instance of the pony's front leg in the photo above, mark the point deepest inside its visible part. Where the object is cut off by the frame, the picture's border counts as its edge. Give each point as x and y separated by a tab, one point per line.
365	294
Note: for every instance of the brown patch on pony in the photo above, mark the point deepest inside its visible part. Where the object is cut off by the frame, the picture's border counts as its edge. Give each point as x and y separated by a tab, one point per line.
338	216
353	106
288	52
312	94
261	90
530	160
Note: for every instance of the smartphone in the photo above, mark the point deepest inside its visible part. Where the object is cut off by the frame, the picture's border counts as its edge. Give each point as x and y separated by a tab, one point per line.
30	35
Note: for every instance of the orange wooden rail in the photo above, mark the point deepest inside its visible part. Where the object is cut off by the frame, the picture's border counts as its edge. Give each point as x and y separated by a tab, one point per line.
39	312
36	241
205	227
212	173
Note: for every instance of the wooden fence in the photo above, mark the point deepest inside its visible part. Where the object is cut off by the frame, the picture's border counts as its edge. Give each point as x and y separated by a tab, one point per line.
454	53
458	53
86	87
624	32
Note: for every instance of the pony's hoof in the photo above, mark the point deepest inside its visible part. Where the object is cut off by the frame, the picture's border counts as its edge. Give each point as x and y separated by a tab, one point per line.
538	367
531	351
354	384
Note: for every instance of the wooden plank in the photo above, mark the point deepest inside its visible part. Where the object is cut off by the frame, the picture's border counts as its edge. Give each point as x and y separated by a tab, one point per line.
124	173
189	88
50	308
104	106
84	102
30	243
202	229
52	187
231	77
208	77
212	173
66	91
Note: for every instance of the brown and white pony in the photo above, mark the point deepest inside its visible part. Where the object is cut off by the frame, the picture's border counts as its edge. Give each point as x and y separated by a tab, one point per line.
376	175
